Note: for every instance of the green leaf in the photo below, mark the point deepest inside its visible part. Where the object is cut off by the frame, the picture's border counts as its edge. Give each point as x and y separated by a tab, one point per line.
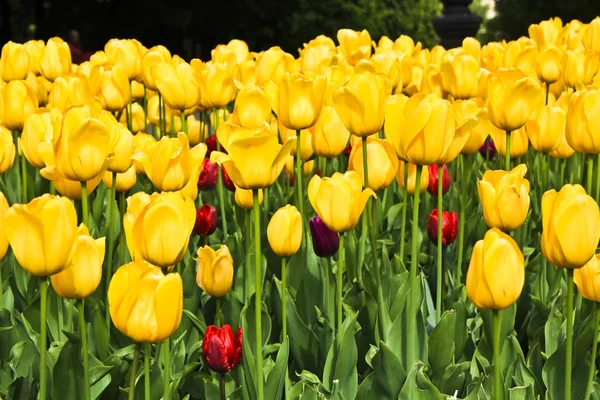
276	378
248	361
388	374
418	386
198	324
304	344
441	345
340	367
68	385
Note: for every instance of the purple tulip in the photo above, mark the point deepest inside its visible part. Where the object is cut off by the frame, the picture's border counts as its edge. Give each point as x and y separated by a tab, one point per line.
488	149
325	241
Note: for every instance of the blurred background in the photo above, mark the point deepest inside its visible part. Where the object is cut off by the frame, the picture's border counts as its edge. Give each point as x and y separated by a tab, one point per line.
193	28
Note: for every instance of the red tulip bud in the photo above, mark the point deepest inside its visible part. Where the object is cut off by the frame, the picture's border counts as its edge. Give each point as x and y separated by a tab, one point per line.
488	149
211	145
348	150
449	227
206	220
221	349
208	176
433	180
227	180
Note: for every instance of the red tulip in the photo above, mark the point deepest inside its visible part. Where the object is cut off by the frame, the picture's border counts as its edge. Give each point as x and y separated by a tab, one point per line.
348	150
433	180
488	149
208	176
211	145
221	350
206	220
449	227
227	180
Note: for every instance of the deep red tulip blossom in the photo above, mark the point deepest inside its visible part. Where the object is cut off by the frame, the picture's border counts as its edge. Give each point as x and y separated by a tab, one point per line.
227	180
206	220
449	227
208	176
433	180
488	149
221	349
211	145
325	241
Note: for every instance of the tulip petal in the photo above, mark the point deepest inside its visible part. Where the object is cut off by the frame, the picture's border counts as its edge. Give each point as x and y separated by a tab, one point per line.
25	232
169	305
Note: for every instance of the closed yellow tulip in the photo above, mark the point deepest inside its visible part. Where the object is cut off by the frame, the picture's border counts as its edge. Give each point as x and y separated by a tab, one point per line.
360	103
504	198
583	131
223	54
466	112
81	278
3	238
546	31
564	150
14	64
381	158
480	131
110	84
412	178
546	128
284	231
39	127
421	128
243	198
300	100
56	59
272	65
549	63
125	180
521	55
215	270
42	234
169	162
496	273
137	90
178	84
135	205
255	157
579	67
587	279
217	86
197	130
570	226
7	150
472	47
137	118
512	98
354	45
36	84
390	65
142	141
318	53
570	36
71	90
245	73
591	35
432	81
126	53
289	135
145	304
329	135
162	228
35	48
519	142
339	200
155	55
17	102
492	56
460	76
123	150
252	107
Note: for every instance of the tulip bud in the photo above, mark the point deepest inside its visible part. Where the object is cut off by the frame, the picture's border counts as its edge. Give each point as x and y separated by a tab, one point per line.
221	349
56	59
496	272
178	84
125	180
14	63
546	128
329	135
325	241
215	271
211	145
300	101
208	176
126	53
17	102
381	158
433	179
243	198
449	227
488	149
581	129
354	45
587	279
35	48
217	87
284	231
111	85
206	220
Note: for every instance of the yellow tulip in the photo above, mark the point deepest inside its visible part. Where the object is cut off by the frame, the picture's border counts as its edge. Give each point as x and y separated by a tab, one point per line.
570	226
360	103
300	101
123	150
421	128
161	231
496	273
564	150
504	198
178	84
587	279
512	98
590	37
546	128
7	150
252	107
68	91
390	65
240	49
244	199
272	65
218	88
3	239
155	55
432	81
466	112
546	32
197	130
14	63
42	234
125	180
144	304
329	135
460	76
111	85
317	54
223	54
381	158
215	271
339	200
17	102
549	64
35	82
492	55
255	157
137	90
135	205
519	142
284	231
472	47
39	127
137	117
521	55
81	278
142	141
126	53
412	178
289	135
56	59
35	48
169	162
579	67
354	45
406	45
583	131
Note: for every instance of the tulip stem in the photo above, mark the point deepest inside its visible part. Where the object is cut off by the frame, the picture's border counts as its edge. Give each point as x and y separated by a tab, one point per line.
111	242
324	169
222	387
507	155
147	371
84	203
404	211
547	92
569	356
597	192
167	368
496	348
299	180
283	298
439	275
461	218
414	266
258	299
563	167
24	172
145	107
129	114
218	312
42	348
84	348
590	382
340	283
220	182
590	173
133	371
184	126
161	117
122	245
52	188
247	265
